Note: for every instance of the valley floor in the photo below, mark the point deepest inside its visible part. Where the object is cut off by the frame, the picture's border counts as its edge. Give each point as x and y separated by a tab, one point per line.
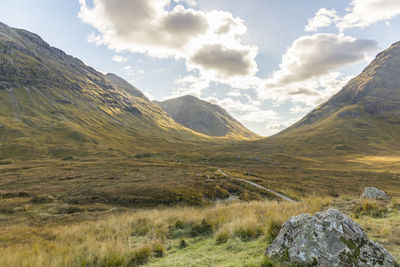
175	209
228	234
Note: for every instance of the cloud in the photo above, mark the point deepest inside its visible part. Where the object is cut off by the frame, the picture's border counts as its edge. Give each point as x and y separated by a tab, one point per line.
131	71
360	14
249	112
364	13
319	54
119	59
322	18
226	62
308	93
143	26
148	95
162	29
296	109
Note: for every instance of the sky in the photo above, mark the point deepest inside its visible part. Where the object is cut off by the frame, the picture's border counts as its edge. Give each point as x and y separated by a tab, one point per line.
268	63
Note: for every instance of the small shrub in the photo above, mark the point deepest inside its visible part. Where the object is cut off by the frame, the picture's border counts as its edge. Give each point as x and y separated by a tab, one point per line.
183	244
374	209
248	233
140	256
141	227
204	228
180	224
109	260
273	229
221	193
67	158
42	199
244	196
267	262
158	250
222	237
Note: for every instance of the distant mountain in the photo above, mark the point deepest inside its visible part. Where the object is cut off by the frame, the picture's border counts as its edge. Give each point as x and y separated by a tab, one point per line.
363	117
53	104
204	117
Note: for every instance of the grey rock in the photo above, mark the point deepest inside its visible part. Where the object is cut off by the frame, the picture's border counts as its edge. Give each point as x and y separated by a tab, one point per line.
328	238
374	193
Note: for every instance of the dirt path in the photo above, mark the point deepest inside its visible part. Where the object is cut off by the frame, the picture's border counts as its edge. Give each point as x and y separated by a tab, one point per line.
260	187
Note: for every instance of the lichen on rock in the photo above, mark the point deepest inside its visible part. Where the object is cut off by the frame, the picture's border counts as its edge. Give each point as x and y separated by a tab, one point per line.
374	193
328	238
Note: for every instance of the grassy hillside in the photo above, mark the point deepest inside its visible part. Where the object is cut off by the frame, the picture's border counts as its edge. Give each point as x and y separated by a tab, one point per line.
53	105
363	118
205	118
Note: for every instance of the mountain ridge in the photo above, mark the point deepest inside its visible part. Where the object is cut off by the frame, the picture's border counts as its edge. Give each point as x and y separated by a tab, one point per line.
364	116
53	104
205	117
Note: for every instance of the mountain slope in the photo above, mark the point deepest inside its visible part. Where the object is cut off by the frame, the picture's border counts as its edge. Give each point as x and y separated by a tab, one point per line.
204	117
53	104
363	117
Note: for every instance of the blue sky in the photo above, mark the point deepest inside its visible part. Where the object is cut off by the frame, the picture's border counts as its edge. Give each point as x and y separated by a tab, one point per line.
267	62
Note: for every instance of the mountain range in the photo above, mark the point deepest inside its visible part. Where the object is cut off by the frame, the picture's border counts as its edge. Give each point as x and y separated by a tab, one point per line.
53	104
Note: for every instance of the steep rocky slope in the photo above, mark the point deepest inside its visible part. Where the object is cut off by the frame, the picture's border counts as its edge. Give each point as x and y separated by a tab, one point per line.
54	104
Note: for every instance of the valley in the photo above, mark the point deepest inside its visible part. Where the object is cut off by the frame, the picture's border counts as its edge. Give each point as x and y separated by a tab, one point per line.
93	173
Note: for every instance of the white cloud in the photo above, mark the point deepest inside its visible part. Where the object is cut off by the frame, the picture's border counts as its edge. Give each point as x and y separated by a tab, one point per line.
310	92
119	59
277	126
296	109
148	95
190	85
319	54
322	18
207	41
363	13
225	62
131	71
360	14
234	93
248	112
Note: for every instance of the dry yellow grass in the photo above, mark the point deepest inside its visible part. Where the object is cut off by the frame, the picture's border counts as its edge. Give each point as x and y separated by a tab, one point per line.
120	240
232	233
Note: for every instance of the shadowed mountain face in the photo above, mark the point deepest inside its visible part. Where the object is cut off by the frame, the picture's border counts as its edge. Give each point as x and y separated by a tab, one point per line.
53	104
363	117
204	117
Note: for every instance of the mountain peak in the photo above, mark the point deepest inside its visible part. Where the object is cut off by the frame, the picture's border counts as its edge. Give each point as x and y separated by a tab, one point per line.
204	117
366	112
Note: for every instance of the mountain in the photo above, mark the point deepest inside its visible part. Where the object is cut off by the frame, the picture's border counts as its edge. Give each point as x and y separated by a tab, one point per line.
204	117
53	104
364	117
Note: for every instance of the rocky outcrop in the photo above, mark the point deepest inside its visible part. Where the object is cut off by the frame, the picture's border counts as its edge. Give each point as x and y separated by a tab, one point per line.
374	193
328	238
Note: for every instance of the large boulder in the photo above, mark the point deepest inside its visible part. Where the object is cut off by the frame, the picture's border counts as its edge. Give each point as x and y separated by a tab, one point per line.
374	193
328	238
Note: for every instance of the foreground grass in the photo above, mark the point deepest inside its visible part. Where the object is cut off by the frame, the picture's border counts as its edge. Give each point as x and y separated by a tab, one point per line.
230	234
